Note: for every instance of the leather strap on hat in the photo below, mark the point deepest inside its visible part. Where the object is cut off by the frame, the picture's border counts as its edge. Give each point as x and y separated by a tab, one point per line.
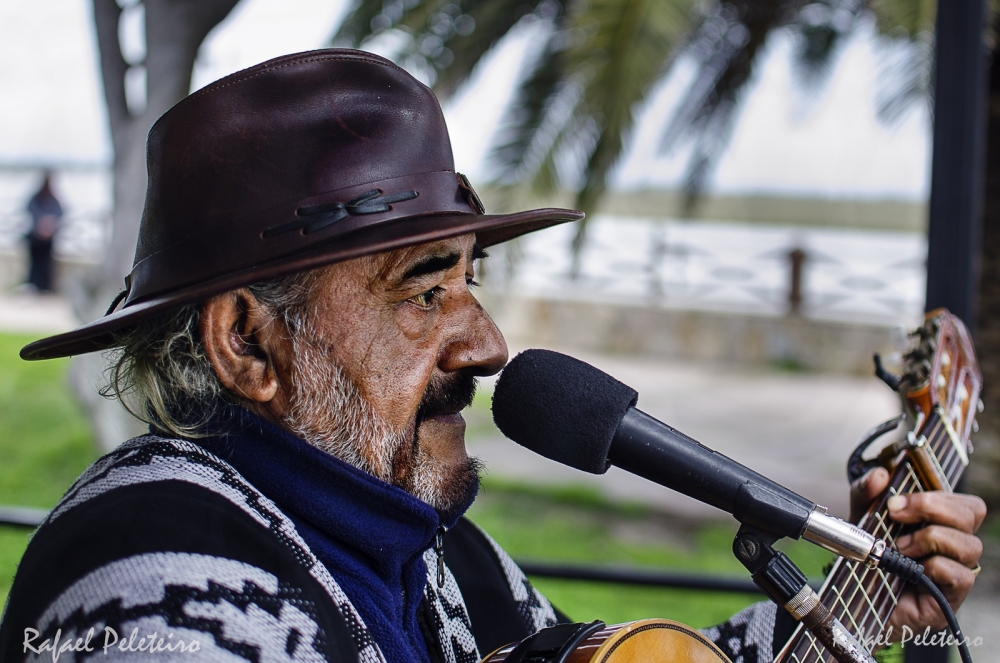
310	222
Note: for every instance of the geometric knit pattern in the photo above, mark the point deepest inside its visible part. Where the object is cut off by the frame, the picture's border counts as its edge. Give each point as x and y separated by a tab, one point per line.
450	616
183	597
150	458
747	637
533	607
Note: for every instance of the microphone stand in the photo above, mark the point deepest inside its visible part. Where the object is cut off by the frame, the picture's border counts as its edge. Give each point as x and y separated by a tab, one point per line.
786	585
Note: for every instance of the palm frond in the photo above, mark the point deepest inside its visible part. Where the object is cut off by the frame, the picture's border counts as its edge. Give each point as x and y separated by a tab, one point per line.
360	23
542	108
820	28
727	43
906	72
467	37
447	39
573	110
624	51
907	55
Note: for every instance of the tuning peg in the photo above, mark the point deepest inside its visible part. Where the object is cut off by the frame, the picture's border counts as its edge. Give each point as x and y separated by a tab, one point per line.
979	405
891	381
900	339
975	426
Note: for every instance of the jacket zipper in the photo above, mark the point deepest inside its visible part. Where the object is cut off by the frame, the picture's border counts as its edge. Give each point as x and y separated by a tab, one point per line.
439	551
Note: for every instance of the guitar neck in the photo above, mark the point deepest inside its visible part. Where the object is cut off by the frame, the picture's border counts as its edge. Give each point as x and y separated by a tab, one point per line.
862	598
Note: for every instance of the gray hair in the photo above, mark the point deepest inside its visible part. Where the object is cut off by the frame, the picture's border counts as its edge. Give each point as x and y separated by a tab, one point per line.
160	372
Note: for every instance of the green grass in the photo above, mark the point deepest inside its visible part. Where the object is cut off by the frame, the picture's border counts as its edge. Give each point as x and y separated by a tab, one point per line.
44	441
577	525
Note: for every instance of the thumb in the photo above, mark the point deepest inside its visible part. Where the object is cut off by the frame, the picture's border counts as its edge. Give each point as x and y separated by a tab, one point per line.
865	489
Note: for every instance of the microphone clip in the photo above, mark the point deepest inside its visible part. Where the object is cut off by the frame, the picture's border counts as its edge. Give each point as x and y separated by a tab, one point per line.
785	584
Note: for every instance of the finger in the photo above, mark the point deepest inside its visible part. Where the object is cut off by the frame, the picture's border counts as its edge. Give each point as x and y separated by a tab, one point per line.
865	489
952	578
915	610
963	512
939	540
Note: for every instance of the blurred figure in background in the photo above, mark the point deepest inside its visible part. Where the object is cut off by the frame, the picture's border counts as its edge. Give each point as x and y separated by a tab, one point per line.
46	212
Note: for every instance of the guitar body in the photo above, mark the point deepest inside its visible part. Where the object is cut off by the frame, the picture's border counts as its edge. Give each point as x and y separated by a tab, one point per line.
643	641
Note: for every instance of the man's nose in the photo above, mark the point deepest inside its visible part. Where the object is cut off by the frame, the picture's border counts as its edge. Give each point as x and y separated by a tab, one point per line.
478	346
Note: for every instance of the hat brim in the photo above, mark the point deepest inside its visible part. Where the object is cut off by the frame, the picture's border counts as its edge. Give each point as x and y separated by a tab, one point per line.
490	229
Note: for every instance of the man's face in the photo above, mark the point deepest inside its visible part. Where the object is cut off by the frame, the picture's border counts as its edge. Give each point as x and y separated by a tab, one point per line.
386	360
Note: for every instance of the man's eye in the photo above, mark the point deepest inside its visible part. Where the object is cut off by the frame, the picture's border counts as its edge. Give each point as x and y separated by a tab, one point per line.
428	298
471	282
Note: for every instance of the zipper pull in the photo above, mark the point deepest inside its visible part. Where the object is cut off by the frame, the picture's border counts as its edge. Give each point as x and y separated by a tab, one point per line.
439	551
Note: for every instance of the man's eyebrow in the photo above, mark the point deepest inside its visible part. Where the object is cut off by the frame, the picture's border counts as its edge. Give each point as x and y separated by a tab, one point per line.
440	263
431	265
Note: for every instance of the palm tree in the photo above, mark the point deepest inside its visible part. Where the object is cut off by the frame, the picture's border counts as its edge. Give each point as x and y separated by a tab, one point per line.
597	60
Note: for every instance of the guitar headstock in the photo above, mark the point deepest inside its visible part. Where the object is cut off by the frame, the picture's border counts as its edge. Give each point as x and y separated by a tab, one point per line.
941	372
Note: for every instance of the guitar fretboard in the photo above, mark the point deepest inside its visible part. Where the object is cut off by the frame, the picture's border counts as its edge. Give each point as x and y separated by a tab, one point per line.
862	598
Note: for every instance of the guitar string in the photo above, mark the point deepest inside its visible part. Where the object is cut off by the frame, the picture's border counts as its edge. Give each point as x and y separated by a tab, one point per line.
888	601
939	445
955	467
952	468
865	585
848	571
884	595
949	461
811	643
812	648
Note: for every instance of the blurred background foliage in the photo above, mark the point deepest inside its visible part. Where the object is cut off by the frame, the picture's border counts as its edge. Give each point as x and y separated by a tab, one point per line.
597	60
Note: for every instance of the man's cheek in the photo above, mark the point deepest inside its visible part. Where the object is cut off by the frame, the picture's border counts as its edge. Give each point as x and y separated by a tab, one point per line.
393	388
413	323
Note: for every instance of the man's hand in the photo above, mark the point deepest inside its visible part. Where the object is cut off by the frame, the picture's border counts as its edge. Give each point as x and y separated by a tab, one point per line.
946	546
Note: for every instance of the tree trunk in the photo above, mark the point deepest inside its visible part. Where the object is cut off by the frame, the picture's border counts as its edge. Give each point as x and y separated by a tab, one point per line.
985	470
175	30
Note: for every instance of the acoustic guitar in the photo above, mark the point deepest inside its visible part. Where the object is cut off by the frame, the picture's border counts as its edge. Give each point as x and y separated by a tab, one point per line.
940	388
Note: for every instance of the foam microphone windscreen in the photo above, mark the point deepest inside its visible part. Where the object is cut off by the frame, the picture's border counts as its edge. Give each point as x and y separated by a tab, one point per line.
561	408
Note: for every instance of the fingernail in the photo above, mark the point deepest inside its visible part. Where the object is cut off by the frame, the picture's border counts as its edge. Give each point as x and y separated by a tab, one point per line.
904	541
897	502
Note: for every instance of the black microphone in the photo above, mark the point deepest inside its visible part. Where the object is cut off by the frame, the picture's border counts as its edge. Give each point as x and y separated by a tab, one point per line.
577	415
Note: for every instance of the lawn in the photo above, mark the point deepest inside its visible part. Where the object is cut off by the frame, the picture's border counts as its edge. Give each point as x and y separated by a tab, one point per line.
578	526
45	443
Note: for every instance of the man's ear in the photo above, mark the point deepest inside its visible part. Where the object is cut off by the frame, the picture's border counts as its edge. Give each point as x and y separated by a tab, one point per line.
240	335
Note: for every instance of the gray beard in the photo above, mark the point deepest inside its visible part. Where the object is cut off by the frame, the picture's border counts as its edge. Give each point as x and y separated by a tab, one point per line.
328	410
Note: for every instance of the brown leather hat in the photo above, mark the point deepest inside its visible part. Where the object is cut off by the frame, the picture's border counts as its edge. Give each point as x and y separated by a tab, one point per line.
295	163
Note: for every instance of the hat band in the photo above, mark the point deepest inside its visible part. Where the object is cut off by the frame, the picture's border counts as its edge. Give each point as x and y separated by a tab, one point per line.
297	226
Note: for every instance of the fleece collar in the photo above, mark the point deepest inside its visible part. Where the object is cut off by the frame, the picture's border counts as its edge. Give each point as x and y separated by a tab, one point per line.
369	534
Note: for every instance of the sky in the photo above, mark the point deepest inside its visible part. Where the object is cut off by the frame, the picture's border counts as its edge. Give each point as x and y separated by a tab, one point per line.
828	143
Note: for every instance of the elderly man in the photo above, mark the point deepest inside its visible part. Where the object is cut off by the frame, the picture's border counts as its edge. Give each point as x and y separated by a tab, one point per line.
300	331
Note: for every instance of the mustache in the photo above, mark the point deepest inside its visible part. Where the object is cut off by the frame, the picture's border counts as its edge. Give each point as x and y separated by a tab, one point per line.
449	394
